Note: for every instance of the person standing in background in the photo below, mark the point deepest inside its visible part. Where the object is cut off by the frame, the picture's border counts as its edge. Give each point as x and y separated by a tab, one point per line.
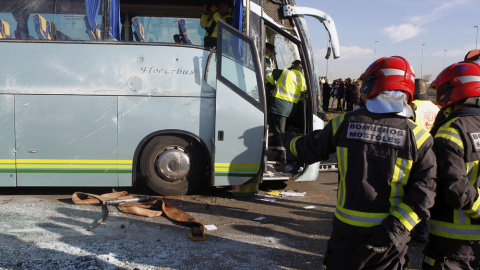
333	93
327	89
348	95
340	95
356	96
425	110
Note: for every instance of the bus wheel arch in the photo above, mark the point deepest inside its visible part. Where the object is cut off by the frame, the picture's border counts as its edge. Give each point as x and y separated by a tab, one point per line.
173	163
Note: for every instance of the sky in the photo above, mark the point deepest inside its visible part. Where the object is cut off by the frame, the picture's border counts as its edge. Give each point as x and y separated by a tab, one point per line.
430	34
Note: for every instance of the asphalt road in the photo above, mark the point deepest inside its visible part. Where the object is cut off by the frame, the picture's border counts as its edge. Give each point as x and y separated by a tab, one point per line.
40	228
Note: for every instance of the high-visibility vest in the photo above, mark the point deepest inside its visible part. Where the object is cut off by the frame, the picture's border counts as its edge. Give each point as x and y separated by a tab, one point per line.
290	85
425	113
208	23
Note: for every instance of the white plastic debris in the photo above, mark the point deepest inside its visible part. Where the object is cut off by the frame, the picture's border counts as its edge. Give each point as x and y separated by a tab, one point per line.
210	227
292	194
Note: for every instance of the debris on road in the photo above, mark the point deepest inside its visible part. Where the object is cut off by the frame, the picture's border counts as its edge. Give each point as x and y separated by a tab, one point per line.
141	206
210	227
292	193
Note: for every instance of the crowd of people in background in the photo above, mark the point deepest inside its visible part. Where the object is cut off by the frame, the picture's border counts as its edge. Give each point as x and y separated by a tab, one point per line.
346	94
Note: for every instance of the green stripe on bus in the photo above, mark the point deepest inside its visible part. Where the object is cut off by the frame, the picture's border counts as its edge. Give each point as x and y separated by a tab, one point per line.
234	174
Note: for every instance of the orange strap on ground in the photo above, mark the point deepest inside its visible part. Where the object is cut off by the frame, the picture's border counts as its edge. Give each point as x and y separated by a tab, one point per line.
153	207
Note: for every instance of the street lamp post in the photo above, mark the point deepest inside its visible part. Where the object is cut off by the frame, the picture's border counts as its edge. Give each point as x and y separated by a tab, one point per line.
476	38
375	55
444	58
421	64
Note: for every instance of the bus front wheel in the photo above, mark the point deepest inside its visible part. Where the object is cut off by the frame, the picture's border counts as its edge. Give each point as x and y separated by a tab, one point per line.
173	165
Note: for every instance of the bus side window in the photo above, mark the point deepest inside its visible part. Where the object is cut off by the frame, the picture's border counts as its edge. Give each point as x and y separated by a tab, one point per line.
167	30
5	31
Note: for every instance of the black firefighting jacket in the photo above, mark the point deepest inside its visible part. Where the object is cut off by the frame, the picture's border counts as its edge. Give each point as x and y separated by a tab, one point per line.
455	223
387	169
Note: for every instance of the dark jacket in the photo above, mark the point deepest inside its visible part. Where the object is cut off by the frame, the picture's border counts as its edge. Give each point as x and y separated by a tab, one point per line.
455	221
327	89
355	95
341	90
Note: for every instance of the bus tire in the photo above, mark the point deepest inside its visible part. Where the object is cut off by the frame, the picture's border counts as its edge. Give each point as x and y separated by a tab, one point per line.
173	165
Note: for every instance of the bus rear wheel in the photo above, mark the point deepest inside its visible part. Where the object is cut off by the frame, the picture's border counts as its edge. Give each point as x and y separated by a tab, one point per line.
173	165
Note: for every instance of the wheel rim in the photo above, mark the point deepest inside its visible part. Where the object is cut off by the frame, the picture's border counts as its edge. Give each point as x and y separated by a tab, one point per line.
173	164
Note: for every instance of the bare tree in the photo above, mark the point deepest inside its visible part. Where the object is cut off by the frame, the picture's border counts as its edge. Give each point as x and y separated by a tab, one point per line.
427	77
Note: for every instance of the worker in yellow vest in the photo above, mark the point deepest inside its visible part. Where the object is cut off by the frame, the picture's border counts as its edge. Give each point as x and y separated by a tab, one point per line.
424	109
209	20
290	86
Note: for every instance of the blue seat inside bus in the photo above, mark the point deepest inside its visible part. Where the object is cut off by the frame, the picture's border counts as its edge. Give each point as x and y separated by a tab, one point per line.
182	28
5	32
139	32
45	29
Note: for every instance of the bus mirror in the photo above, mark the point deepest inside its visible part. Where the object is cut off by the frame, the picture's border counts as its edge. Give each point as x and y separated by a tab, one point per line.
329	51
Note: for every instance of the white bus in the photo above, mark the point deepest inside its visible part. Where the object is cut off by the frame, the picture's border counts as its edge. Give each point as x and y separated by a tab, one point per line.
113	92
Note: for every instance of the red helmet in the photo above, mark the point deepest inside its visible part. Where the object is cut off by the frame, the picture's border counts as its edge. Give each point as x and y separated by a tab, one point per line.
388	73
457	82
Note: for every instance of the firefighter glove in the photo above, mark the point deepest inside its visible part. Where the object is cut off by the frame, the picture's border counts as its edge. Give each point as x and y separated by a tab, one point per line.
379	242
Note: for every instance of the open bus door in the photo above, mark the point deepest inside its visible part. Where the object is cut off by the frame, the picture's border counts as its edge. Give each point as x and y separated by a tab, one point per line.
240	105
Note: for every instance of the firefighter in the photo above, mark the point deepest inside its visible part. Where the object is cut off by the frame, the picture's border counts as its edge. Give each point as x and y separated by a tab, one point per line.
454	241
387	171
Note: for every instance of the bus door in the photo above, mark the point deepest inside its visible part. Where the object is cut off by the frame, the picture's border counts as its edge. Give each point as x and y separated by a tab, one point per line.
240	104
